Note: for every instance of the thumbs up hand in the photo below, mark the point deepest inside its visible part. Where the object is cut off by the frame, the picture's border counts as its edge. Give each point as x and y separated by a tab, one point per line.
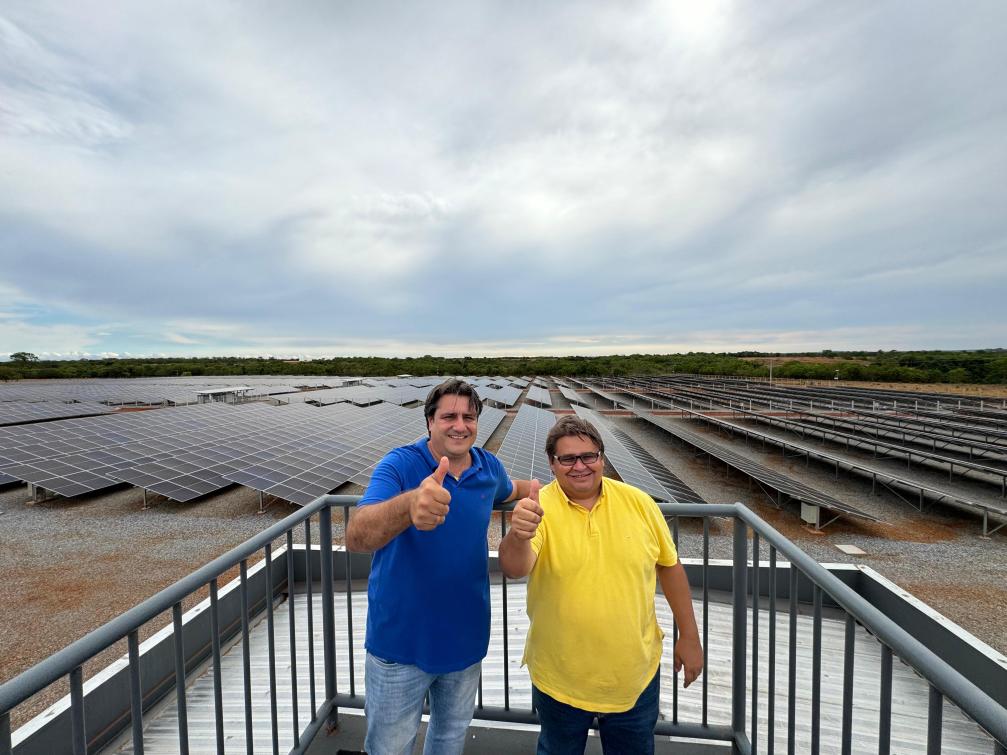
429	506
527	514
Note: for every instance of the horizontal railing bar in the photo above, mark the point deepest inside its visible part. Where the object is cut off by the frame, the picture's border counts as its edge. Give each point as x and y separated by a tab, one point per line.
26	684
312	729
671	509
721	732
979	706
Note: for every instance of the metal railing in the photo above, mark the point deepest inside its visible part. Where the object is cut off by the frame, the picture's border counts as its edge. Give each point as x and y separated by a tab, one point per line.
742	733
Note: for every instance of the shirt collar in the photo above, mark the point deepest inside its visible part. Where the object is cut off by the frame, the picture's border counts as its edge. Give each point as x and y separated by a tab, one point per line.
475	460
602	495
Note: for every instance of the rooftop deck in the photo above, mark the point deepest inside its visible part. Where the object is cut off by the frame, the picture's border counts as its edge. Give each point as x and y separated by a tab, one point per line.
909	691
792	658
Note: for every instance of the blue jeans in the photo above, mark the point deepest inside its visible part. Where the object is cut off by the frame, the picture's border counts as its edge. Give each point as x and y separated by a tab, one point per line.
564	727
394	703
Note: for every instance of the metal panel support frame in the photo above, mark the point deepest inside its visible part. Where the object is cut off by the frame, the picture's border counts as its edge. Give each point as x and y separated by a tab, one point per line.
262	502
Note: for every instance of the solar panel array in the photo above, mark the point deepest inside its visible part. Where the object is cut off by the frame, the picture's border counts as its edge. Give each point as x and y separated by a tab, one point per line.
787	485
76	456
19	412
523	450
295	453
636	466
151	391
538	395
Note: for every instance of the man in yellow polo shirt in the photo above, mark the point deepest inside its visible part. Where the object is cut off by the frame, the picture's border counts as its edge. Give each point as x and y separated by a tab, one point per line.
594	549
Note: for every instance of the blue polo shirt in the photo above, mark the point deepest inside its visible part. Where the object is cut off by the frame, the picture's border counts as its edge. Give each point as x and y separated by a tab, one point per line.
428	593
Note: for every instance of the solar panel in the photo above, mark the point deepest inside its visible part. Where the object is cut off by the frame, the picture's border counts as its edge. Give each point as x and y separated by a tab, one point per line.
538	395
572	396
637	467
504	396
523	450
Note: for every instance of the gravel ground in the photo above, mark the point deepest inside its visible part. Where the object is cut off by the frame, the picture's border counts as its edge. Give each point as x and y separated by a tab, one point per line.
71	566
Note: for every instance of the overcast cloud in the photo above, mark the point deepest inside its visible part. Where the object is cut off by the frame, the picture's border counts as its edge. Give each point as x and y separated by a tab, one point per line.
501	178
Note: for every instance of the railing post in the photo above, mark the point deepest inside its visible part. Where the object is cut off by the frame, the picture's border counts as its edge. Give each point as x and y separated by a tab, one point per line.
183	718
740	599
218	687
935	720
349	606
135	692
77	728
5	743
328	609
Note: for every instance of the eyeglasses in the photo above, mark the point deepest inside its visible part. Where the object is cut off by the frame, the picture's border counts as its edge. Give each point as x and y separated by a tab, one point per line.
569	460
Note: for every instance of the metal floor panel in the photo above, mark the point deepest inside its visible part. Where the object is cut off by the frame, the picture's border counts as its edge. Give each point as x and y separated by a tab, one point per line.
909	692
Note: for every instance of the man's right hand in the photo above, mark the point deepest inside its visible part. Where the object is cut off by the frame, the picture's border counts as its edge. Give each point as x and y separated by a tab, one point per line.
430	505
527	514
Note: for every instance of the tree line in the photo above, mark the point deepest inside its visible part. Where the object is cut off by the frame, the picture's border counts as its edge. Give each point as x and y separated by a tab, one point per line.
980	366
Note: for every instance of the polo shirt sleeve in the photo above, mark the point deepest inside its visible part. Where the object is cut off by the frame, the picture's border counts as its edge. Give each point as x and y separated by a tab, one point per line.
386	482
667	553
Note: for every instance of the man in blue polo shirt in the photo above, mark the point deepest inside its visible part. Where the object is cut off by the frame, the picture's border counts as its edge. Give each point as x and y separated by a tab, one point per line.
425	515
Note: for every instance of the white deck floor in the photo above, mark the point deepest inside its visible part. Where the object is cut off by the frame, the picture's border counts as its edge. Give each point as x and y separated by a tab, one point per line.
909	694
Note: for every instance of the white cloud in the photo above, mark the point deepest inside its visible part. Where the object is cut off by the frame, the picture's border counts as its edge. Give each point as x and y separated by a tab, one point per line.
475	176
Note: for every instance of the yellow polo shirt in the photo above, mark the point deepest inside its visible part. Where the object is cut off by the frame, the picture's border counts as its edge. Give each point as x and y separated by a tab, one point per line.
594	642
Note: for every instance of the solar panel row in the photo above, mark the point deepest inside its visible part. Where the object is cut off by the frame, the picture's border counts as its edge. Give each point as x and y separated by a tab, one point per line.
787	485
523	450
149	390
19	412
364	395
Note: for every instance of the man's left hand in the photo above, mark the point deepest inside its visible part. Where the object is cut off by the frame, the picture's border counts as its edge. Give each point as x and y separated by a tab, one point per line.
689	655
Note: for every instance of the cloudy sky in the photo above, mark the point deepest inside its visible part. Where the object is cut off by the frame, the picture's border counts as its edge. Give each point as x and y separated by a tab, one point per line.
469	177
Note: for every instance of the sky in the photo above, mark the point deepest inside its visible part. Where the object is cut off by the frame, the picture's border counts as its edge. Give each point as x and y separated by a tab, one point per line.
501	178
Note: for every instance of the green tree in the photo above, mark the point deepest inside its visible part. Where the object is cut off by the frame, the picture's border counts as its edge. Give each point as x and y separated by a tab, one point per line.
23	357
958	375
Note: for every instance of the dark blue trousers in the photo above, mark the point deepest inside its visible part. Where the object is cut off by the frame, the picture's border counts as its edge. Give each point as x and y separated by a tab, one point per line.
564	727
